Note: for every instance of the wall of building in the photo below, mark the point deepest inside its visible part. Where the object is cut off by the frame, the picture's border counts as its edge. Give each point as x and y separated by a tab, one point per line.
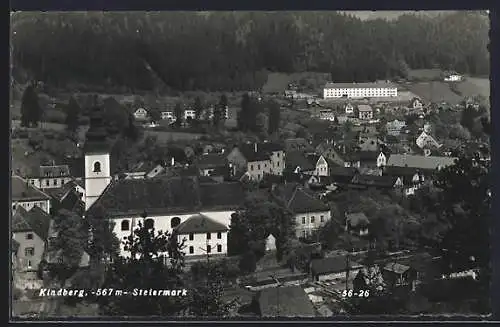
25	261
357	92
49	182
277	162
257	169
309	226
200	241
338	275
163	223
96	182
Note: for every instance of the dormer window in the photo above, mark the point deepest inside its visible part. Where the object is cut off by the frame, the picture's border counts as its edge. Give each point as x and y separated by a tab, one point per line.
97	167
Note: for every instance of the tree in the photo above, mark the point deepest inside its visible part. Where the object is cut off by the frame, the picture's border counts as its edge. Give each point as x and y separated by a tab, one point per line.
220	110
131	131
198	108
115	116
247	116
468	116
179	114
155	115
147	268
459	132
103	243
274	117
72	115
66	249
31	111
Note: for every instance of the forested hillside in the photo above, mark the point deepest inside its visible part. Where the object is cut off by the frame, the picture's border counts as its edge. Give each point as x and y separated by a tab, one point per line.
133	51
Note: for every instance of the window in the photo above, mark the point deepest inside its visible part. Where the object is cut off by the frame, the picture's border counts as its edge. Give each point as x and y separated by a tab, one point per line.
278	164
209	236
219	248
149	223
54	182
29	252
191	236
304	234
303	220
265	165
29	263
125	225
209	249
251	167
32	182
191	250
219	235
312	219
29	236
47	182
278	154
258	167
321	218
174	222
97	167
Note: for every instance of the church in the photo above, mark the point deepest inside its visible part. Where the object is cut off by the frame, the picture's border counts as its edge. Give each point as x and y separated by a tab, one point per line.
198	211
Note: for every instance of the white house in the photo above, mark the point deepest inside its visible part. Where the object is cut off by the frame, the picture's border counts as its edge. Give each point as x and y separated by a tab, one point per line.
382	159
53	176
27	196
165	203
189	113
349	109
425	140
310	212
359	90
394	127
453	78
365	112
141	114
322	167
167	115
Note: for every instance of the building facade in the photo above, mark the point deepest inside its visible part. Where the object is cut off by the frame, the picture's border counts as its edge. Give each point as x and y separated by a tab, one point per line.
359	90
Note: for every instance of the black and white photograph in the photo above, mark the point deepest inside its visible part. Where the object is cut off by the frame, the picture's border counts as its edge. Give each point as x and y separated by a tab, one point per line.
249	165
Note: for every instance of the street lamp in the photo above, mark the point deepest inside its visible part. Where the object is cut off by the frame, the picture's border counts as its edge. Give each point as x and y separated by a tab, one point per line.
273	277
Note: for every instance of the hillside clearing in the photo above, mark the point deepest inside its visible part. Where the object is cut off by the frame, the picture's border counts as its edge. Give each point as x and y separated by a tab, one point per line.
435	92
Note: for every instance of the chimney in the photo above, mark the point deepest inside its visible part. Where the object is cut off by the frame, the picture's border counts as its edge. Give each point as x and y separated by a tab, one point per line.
255	147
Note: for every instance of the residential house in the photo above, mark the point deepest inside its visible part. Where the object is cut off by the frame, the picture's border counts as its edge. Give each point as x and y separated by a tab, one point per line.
368	158
321	164
339	176
310	212
202	235
212	164
287	301
369	278
144	169
258	159
297	162
166	202
425	140
327	114
352	160
368	143
396	274
365	112
382	158
423	163
27	196
411	178
379	182
349	109
357	223
290	94
333	268
395	127
53	176
30	229
141	114
189	114
297	144
416	103
167	115
453	77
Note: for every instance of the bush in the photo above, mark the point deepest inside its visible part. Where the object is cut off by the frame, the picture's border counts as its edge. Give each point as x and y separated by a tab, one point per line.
248	262
55	116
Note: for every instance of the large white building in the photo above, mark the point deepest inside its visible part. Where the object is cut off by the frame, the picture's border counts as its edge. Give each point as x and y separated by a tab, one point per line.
360	90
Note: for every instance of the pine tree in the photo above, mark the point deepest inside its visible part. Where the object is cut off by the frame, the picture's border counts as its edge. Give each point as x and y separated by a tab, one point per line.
30	108
274	117
179	114
72	115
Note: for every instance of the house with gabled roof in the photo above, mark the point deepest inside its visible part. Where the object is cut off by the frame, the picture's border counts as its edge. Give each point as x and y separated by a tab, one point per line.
424	163
27	196
425	140
141	114
202	235
374	181
297	162
258	159
52	176
288	301
333	268
212	163
164	203
411	178
30	230
310	212
357	223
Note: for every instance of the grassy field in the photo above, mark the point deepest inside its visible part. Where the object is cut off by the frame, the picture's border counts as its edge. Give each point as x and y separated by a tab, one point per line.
473	86
425	74
24	160
435	92
165	137
313	82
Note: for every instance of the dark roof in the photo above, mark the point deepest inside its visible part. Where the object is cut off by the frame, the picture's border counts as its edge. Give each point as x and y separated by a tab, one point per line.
211	160
22	191
331	265
54	171
298	200
374	180
15	246
143	167
297	158
406	173
76	166
396	267
264	150
168	195
368	155
313	158
200	223
356	218
293	302
36	220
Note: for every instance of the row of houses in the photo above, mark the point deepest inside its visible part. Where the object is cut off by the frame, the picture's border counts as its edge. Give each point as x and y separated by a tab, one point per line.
143	114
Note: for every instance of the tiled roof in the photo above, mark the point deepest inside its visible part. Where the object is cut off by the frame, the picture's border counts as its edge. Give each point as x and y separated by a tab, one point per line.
54	171
168	195
374	180
200	224
329	265
356	218
211	160
422	162
396	267
406	173
21	191
297	158
367	155
264	150
35	220
297	144
364	107
293	302
76	166
299	200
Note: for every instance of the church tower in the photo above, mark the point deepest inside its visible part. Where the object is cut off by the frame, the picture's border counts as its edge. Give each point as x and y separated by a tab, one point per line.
97	159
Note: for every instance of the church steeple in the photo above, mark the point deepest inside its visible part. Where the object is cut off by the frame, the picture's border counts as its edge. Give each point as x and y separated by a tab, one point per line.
96	136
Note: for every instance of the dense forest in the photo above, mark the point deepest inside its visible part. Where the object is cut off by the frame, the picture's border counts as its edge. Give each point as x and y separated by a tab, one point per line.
161	51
